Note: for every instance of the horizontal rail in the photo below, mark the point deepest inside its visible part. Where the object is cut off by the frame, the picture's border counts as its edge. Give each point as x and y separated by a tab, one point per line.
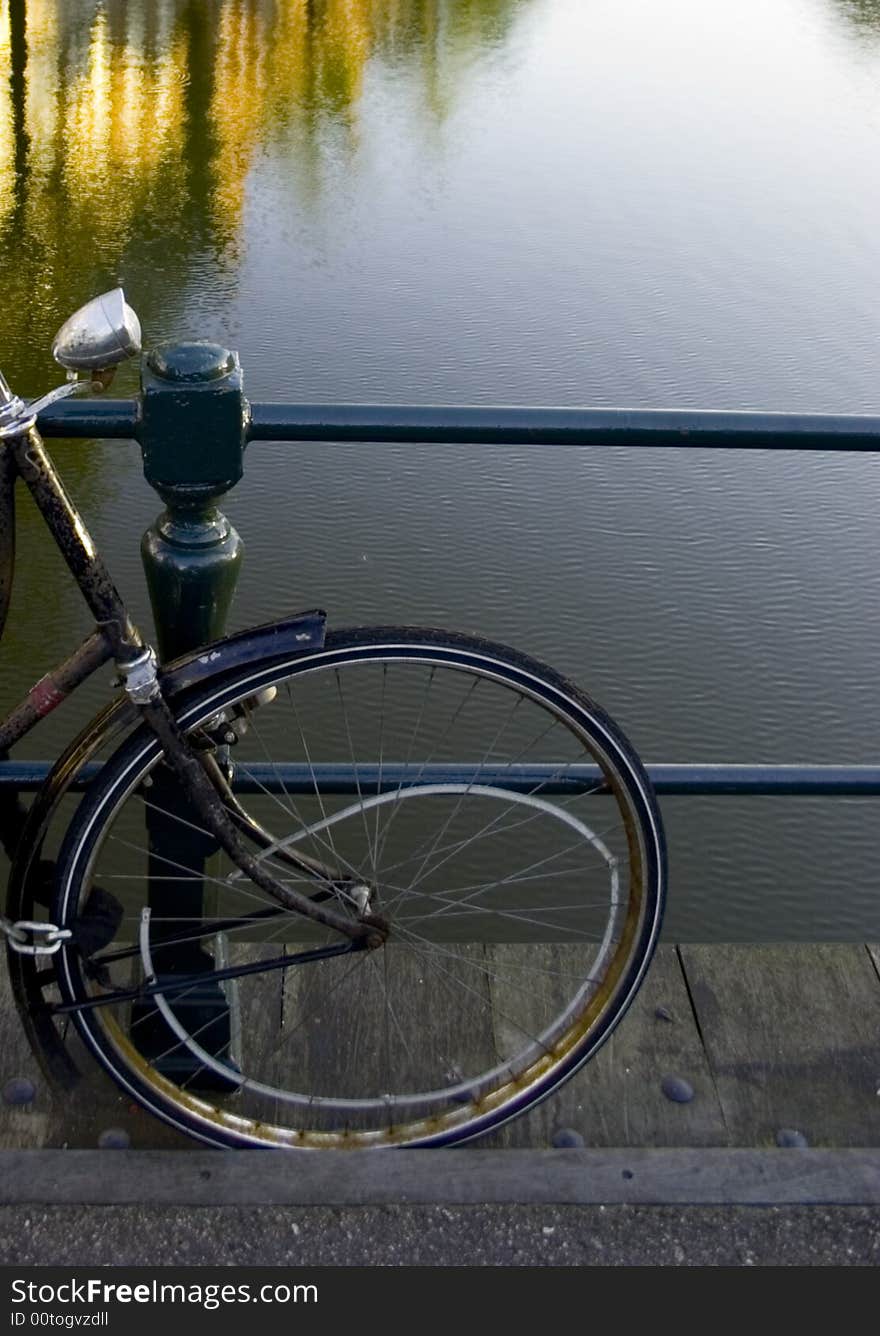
859	781
105	418
119	418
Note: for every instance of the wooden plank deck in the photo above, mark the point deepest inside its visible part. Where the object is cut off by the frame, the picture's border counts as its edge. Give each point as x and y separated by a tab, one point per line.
767	1038
617	1098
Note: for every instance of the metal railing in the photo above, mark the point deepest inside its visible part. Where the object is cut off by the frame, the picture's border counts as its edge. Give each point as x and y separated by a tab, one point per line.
630	427
482	426
802	781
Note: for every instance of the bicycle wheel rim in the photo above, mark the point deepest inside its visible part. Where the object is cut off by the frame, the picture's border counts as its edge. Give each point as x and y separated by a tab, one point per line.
460	1108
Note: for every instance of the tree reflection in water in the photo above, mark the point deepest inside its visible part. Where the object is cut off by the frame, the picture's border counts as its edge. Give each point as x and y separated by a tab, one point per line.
127	132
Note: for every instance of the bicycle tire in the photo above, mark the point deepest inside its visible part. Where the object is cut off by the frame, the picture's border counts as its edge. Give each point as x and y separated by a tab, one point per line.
395	1054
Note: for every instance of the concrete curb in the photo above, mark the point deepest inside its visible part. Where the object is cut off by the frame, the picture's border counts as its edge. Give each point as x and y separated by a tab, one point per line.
708	1177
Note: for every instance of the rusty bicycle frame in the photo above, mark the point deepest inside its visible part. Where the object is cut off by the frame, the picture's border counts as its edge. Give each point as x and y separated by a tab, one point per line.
116	637
201	778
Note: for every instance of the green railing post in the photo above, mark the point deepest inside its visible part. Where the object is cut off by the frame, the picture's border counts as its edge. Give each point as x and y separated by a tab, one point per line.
192	437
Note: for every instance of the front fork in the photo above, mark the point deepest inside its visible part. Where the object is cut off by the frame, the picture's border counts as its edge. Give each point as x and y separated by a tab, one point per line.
190	770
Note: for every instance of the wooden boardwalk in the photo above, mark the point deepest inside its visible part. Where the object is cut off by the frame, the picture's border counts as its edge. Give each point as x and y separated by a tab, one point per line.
769	1039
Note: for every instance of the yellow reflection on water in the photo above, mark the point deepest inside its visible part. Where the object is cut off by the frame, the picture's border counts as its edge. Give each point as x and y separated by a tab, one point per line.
7	139
120	121
42	89
128	131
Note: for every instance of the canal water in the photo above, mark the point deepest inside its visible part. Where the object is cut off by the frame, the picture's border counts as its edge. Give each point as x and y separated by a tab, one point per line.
597	202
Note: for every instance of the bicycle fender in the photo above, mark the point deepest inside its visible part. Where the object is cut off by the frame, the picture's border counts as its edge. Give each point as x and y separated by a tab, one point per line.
30	875
271	640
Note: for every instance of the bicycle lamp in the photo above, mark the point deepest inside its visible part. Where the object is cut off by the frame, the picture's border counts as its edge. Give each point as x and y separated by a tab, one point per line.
99	336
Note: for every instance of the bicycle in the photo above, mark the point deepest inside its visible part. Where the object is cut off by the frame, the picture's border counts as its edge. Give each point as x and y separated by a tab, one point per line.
330	888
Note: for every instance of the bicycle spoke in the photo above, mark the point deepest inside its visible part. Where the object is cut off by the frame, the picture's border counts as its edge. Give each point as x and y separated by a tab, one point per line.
505	881
489	750
492	974
564	804
323	847
487	828
431	756
381	760
370	849
425	949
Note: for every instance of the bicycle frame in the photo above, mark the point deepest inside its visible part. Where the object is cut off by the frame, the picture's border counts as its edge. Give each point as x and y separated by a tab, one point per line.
116	637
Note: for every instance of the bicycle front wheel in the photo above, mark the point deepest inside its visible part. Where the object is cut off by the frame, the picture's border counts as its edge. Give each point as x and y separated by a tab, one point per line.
487	809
